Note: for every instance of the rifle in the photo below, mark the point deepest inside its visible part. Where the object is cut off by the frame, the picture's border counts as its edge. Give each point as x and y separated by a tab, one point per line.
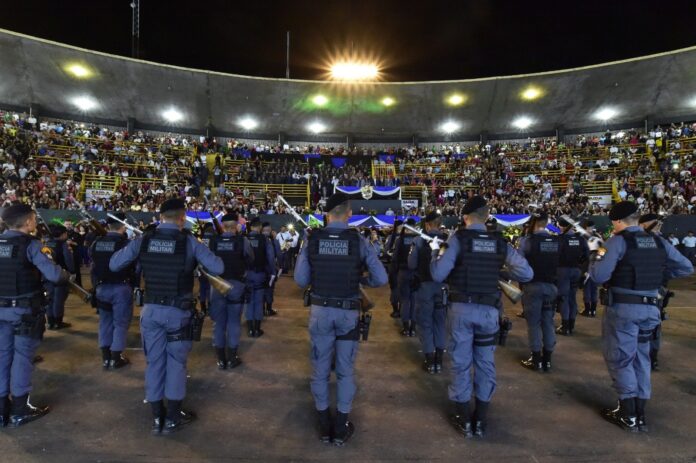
130	227
99	228
216	225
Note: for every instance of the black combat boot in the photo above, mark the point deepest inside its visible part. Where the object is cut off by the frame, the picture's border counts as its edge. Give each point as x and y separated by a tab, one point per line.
593	309
176	417
640	415
221	354
106	357
204	308
118	360
396	313
22	412
438	360
343	429
258	332
412	329
4	411
563	329
268	311
158	416
461	419
534	362
325	426
250	328
571	326
60	324
546	360
654	365
624	415
480	418
429	363
233	359
52	323
407	328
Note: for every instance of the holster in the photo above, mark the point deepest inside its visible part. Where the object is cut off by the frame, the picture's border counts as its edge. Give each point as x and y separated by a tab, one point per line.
190	332
307	297
32	325
604	296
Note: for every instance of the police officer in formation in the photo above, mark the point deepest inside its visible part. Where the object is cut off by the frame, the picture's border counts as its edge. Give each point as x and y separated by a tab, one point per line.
168	257
207	234
471	264
332	262
542	251
258	277
574	252
393	270
590	290
268	309
405	279
58	292
23	262
632	264
431	311
226	310
114	293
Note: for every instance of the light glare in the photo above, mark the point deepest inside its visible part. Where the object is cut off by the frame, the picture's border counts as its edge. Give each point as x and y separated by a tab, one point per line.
84	103
531	93
172	115
349	70
456	99
78	70
388	101
522	122
320	100
316	127
450	126
248	123
605	114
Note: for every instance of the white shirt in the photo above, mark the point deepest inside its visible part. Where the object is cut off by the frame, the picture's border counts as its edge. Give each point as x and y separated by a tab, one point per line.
689	241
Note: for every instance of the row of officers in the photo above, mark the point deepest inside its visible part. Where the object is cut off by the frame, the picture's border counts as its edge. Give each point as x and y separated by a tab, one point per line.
333	263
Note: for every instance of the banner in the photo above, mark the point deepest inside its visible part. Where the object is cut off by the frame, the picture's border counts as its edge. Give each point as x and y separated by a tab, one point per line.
93	193
408	204
369	192
602	200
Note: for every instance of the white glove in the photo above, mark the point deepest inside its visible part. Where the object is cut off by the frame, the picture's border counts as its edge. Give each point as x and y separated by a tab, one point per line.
435	244
594	243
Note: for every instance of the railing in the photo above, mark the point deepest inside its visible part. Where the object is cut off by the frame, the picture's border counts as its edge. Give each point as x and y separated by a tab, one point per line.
287	190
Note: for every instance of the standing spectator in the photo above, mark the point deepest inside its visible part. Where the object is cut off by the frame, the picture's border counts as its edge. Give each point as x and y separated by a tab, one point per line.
689	242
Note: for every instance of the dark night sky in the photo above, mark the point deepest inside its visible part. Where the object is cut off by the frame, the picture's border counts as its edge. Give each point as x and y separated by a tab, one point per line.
416	40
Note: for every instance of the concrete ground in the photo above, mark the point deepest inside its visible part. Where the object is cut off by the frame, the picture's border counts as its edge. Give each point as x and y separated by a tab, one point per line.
263	410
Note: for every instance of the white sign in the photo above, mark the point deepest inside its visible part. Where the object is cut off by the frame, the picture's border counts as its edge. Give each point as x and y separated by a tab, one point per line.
602	200
92	193
408	204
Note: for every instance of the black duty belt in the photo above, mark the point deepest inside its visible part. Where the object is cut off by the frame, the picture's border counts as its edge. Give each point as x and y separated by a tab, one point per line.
617	298
346	304
178	302
482	299
25	302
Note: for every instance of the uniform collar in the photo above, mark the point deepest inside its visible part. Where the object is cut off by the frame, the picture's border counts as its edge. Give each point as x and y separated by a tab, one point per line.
541	232
114	234
477	226
168	226
634	228
228	234
338	225
11	233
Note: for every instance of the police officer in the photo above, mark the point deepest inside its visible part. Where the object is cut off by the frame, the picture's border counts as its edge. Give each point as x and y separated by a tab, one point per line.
405	279
226	310
58	293
633	264
114	293
168	256
471	264
23	261
393	271
332	261
258	277
430	312
574	252
542	251
207	234
268	309
590	290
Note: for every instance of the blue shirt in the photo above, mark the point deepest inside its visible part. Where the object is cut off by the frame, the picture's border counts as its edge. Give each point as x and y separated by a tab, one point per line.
196	251
600	271
377	276
517	266
49	269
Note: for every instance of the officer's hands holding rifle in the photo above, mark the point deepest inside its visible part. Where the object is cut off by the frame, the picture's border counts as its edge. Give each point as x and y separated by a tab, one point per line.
98	228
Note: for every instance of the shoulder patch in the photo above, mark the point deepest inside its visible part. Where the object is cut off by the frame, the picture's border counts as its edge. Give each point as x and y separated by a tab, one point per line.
48	252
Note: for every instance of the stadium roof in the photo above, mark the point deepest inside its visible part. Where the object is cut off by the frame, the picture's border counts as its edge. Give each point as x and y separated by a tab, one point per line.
69	82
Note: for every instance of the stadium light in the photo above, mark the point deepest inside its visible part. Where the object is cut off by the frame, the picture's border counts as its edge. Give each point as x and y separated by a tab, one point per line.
450	126
531	93
172	115
455	99
320	100
78	70
84	102
248	123
316	127
522	122
388	101
354	71
605	114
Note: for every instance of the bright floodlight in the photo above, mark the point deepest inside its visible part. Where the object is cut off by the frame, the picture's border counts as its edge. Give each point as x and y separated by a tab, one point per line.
84	103
248	123
522	122
172	115
531	93
456	99
388	101
605	114
316	127
450	126
78	70
320	100
354	71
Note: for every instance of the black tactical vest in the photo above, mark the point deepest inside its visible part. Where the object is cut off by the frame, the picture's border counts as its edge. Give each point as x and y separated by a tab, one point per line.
102	249
18	276
163	260
643	264
571	250
259	242
334	256
207	237
424	256
56	248
481	256
404	249
231	250
544	256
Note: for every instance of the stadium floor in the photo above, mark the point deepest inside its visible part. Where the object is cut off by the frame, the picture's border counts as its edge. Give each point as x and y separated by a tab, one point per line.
263	411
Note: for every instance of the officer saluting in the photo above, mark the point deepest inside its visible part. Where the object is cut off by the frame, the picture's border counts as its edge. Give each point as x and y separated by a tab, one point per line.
471	264
168	257
22	321
226	311
542	251
114	293
332	261
633	264
574	252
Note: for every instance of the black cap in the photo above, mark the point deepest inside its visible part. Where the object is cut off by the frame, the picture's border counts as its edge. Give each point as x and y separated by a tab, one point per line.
120	215
622	210
648	218
230	217
431	217
410	221
174	204
336	199
563	222
16	210
57	230
474	204
255	222
265	224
